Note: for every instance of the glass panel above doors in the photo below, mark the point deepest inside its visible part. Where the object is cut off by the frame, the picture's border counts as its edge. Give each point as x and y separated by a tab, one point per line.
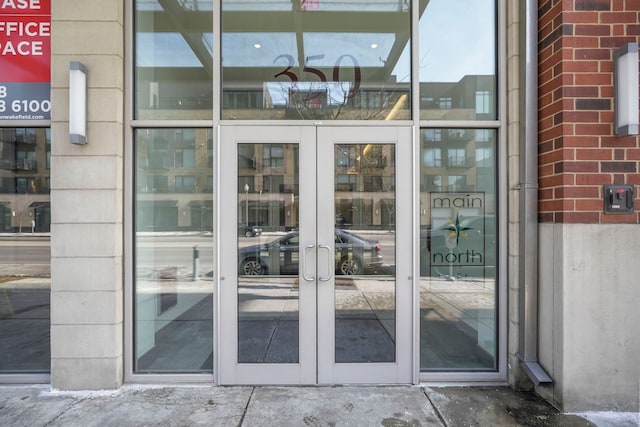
458	60
173	59
310	59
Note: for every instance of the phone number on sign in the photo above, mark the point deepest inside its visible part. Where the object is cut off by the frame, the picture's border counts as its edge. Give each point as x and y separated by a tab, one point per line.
20	106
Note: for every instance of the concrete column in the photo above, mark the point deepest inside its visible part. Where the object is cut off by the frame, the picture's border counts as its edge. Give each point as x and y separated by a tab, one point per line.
87	199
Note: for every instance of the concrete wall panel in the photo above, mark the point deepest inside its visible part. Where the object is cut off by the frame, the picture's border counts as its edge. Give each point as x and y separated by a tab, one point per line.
588	286
87	37
601	300
86	374
88	274
86	341
73	10
92	307
86	240
105	139
88	206
86	172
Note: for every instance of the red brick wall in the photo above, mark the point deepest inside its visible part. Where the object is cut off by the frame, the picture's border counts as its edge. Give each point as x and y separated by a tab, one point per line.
578	151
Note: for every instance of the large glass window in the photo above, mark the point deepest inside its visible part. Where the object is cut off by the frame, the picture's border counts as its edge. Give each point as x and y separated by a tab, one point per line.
173	251
458	60
25	251
340	60
458	286
173	59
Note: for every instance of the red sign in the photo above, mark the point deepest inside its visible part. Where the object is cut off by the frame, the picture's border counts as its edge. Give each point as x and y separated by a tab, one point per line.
25	59
25	41
25	7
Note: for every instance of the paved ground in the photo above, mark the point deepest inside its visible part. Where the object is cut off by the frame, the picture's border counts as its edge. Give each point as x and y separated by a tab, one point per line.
289	406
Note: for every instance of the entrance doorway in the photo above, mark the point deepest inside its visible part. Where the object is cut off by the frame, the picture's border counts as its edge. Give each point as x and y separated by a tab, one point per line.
315	255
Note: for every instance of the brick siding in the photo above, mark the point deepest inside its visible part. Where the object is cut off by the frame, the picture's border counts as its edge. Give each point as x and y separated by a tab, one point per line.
578	151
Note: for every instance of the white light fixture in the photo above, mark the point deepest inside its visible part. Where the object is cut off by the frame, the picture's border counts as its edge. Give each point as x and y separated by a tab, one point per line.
626	90
77	103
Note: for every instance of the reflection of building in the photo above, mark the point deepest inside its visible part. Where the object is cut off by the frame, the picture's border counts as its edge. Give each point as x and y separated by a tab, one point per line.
175	180
365	185
456	160
468	99
25	155
364	181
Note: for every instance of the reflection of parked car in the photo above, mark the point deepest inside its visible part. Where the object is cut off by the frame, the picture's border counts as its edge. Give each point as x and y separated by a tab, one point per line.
353	255
249	230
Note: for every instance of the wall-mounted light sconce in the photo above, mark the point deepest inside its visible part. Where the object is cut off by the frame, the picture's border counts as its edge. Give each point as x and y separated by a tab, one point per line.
626	89
77	103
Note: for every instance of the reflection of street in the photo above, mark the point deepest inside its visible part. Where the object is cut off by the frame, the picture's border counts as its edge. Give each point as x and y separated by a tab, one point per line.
268	320
25	288
161	256
172	256
24	325
365	320
25	255
174	325
457	324
387	242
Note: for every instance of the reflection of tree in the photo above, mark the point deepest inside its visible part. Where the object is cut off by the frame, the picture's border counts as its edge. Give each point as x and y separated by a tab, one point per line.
24	210
391	211
376	165
336	100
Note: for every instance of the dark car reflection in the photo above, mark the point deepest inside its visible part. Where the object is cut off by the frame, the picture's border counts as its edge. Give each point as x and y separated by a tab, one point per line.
354	255
249	230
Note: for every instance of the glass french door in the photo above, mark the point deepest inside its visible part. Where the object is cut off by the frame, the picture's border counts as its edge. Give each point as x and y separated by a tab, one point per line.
315	255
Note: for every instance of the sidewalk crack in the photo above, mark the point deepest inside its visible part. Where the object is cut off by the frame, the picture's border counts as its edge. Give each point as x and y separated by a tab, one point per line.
64	411
435	409
246	407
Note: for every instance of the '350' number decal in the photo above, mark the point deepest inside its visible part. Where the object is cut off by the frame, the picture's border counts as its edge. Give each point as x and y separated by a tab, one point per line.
357	72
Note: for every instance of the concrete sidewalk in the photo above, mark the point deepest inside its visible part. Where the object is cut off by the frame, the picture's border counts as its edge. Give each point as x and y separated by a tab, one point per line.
288	406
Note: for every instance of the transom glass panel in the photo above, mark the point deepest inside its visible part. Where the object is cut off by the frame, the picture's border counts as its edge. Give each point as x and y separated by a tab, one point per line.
173	59
458	60
310	59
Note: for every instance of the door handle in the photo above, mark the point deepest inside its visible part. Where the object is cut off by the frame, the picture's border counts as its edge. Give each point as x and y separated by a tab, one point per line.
328	277
304	264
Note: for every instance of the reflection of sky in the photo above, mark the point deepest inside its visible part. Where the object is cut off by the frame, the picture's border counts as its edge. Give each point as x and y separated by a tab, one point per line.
457	38
317	5
238	49
164	50
186	4
334	45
